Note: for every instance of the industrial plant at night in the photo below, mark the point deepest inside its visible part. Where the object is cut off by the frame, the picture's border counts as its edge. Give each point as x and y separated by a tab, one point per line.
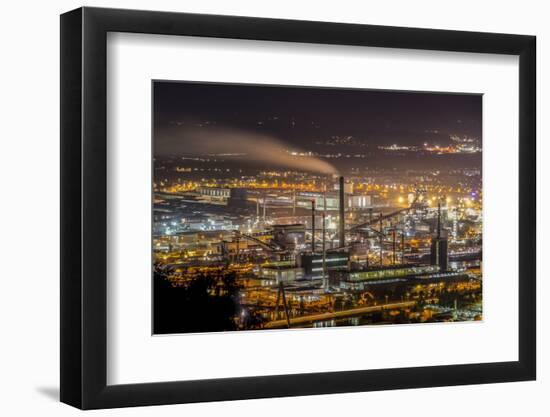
287	207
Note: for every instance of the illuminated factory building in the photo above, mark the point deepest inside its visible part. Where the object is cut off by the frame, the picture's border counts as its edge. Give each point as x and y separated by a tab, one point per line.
324	247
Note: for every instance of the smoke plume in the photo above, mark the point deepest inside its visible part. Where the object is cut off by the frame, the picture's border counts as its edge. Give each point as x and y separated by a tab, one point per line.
257	149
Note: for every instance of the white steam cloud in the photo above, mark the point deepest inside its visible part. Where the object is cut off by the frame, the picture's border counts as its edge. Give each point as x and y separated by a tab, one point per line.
257	148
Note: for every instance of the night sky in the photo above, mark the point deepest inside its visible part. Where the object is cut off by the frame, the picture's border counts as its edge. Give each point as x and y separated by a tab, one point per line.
187	115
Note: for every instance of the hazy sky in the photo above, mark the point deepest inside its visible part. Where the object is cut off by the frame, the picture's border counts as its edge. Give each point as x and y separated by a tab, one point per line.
374	112
203	117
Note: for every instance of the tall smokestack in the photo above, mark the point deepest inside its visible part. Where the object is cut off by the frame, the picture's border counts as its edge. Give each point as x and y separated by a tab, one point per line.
264	205
394	249
438	220
342	221
325	281
439	254
312	226
381	238
324	247
402	247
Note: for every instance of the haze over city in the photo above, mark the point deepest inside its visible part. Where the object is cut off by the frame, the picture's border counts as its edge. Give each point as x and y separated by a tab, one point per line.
281	207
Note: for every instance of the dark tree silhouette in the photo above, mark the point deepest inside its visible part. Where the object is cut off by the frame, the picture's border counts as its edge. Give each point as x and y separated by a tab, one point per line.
209	303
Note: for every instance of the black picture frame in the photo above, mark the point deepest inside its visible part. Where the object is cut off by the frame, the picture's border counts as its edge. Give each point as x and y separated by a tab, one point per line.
84	207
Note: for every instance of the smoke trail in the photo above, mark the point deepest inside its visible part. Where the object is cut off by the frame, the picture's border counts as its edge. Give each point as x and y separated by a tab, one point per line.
259	149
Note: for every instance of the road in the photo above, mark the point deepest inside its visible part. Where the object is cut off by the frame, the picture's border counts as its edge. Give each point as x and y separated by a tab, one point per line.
277	324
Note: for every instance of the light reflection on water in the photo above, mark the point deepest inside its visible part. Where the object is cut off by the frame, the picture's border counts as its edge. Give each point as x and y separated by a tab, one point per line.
465	313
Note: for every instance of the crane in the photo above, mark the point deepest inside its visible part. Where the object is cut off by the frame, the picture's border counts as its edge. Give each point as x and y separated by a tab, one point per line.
270	247
370	222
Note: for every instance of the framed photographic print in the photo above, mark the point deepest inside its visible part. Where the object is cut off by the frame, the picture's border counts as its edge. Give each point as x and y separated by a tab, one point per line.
258	208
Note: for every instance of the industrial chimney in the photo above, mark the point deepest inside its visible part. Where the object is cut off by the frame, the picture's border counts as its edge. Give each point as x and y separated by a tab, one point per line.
312	226
342	220
439	252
